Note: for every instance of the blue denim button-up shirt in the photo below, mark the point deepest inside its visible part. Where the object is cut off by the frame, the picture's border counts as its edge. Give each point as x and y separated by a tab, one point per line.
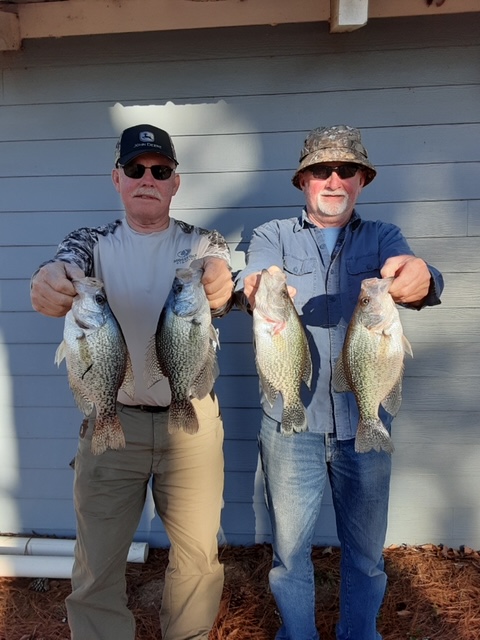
327	291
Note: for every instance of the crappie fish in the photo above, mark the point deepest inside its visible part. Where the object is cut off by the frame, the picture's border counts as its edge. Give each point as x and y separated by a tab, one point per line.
282	354
98	362
372	361
184	348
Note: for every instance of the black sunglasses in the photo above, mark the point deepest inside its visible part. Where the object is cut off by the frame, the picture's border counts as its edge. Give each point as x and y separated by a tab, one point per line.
136	171
343	171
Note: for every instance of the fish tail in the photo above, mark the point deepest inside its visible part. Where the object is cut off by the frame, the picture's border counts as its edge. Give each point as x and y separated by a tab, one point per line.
372	434
294	418
182	416
107	434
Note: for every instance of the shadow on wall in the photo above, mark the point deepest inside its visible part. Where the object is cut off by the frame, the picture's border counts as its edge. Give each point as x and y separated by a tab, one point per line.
9	468
234	188
252	184
201	155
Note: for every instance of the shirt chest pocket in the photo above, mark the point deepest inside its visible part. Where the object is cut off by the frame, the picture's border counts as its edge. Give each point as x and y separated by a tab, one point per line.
301	274
359	268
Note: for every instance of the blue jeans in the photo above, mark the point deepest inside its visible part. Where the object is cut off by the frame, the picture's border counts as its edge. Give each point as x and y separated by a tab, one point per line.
295	469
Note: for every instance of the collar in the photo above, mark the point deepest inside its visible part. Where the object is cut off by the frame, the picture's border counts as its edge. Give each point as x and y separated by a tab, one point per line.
304	223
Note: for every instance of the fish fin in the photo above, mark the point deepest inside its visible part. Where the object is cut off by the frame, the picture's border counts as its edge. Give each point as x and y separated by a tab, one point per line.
182	415
339	379
203	383
407	347
294	418
107	434
268	391
85	354
153	371
81	399
84	404
215	337
278	327
128	383
60	353
373	435
393	400
307	369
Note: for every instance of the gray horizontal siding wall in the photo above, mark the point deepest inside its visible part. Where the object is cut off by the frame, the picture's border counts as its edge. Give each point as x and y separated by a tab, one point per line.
239	103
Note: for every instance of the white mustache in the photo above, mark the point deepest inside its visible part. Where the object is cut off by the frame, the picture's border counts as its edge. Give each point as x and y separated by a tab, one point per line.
329	192
147	191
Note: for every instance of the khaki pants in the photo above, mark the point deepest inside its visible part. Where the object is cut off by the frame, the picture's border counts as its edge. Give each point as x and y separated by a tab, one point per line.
109	495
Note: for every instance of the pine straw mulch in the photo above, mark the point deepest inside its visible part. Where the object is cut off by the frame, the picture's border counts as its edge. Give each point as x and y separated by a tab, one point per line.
433	594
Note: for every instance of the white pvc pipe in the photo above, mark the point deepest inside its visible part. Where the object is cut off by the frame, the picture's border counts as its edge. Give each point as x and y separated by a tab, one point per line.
36	566
18	546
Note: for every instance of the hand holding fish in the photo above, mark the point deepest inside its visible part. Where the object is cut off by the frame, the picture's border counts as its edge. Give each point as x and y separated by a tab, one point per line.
282	354
412	278
98	362
52	290
184	348
371	362
217	282
251	282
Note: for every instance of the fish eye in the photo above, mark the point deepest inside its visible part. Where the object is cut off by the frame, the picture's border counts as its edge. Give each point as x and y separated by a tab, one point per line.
100	299
365	301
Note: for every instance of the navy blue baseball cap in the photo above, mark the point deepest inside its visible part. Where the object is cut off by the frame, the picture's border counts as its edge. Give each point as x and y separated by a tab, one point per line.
143	138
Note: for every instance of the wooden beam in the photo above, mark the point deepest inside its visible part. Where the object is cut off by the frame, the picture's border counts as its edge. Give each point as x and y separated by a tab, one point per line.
56	19
86	17
10	39
348	15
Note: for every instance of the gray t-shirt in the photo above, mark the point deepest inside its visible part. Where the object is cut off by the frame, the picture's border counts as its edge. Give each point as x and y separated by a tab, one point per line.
137	270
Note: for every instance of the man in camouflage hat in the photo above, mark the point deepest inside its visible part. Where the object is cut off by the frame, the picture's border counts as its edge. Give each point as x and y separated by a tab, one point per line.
335	144
325	253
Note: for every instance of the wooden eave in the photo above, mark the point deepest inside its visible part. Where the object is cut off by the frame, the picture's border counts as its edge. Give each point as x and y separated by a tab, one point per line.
23	19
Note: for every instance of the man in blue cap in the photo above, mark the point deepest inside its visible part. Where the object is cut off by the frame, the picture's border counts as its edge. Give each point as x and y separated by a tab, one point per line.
136	258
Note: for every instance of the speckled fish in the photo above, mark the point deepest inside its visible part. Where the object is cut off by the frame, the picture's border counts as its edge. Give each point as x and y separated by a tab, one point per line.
282	354
98	362
184	348
371	363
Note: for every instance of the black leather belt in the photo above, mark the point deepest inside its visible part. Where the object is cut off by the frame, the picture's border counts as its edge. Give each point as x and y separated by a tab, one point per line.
148	408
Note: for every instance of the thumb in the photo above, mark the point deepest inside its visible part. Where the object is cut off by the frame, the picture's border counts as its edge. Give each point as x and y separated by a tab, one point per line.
392	265
73	272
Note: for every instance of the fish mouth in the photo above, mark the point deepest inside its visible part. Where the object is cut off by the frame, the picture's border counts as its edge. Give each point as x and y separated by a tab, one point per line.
376	285
86	285
85	326
388	280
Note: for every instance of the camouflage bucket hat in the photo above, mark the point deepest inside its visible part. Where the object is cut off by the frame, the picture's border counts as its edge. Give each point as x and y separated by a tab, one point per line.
334	144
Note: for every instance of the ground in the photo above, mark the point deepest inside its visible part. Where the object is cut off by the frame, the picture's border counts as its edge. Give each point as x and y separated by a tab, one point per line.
433	594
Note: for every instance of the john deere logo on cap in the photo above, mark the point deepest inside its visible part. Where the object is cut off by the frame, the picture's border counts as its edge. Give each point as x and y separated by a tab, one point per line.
146	136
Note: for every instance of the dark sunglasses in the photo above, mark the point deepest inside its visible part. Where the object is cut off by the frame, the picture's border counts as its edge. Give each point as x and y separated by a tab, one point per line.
343	171
136	171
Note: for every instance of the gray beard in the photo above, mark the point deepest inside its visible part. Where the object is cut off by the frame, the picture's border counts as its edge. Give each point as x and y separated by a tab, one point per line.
330	208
